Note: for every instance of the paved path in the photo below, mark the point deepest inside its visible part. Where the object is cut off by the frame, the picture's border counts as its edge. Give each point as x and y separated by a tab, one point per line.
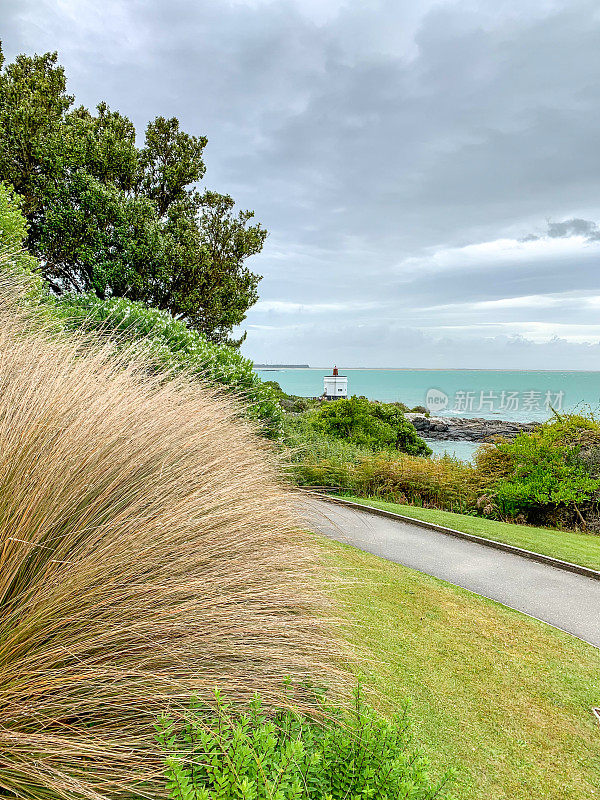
568	601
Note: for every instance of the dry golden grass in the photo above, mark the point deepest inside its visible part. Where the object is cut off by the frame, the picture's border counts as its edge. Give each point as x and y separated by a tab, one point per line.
146	553
438	482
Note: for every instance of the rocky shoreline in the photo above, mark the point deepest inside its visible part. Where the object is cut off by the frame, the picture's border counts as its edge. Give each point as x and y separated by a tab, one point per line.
467	430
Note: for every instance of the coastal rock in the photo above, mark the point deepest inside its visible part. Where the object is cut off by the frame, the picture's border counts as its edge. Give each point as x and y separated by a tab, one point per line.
463	429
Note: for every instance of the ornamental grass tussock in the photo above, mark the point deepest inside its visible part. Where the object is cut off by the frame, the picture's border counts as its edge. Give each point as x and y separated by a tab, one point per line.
148	554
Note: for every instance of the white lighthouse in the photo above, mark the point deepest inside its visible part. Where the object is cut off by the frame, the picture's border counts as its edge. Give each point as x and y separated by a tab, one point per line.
335	385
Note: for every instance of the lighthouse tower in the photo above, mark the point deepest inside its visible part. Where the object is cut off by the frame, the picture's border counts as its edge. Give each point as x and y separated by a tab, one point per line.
335	385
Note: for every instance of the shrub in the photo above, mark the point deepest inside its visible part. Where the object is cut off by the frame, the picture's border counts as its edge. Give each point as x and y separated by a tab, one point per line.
290	756
368	424
438	483
552	468
147	555
175	347
318	461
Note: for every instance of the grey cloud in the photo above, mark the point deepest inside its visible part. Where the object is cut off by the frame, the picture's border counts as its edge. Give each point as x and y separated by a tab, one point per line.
572	227
364	134
569	227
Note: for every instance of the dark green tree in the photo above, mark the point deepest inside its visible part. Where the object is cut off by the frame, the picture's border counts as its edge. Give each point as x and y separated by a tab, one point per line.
33	102
108	217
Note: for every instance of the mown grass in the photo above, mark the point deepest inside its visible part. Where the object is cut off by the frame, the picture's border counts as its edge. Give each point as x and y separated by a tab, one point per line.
502	698
579	548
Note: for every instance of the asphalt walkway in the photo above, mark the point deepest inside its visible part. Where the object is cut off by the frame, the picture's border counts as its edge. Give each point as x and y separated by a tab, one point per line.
563	599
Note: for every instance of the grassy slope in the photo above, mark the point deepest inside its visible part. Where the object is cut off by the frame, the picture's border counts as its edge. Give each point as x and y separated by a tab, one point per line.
503	698
579	548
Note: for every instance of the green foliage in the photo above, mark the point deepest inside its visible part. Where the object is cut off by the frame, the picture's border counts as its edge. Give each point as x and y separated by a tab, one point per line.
319	461
377	426
13	232
336	464
116	219
175	347
286	755
13	228
293	403
33	100
554	466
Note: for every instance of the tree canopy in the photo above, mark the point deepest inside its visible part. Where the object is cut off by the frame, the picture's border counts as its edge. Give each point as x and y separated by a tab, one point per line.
109	217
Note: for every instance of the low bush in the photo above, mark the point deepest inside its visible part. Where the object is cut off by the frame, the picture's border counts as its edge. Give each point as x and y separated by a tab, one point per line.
445	483
376	426
316	461
548	476
319	462
287	755
147	554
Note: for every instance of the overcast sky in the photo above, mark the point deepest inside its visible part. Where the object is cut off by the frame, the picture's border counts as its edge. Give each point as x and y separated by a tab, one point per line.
428	171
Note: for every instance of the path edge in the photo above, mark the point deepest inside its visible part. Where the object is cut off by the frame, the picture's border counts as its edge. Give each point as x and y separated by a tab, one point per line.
567	566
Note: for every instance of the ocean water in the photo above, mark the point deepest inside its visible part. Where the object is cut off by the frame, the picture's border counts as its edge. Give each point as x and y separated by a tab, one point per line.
465	451
516	395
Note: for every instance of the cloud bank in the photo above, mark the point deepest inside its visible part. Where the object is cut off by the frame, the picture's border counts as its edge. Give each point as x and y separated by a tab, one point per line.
428	170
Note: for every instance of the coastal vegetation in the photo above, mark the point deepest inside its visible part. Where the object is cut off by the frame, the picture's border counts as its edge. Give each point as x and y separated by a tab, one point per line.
149	550
148	555
173	347
135	579
548	476
378	426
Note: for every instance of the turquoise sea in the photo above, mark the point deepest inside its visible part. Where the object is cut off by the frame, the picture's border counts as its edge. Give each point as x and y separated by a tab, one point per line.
517	395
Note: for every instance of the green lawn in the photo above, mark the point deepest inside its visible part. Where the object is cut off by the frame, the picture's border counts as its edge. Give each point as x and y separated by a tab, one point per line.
579	548
504	699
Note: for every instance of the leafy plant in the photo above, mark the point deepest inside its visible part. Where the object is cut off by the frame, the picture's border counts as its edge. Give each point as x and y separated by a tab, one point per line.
13	232
368	424
550	468
220	753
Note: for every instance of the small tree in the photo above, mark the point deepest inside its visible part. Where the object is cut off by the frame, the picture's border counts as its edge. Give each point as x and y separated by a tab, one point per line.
557	466
108	217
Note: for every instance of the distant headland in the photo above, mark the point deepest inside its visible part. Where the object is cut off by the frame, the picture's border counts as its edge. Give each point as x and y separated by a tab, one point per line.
281	366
